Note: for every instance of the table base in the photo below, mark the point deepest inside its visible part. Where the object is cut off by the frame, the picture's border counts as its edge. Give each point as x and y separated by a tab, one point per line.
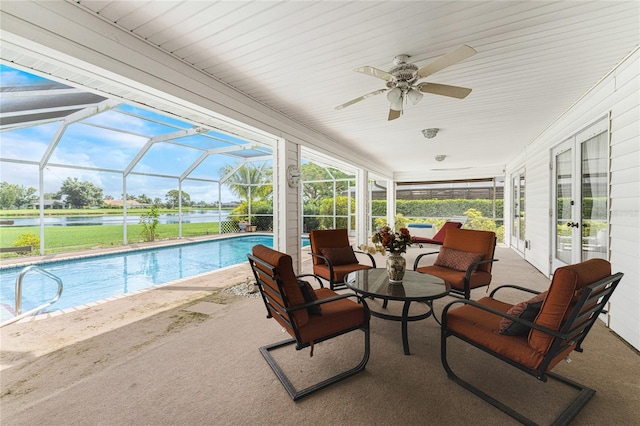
404	318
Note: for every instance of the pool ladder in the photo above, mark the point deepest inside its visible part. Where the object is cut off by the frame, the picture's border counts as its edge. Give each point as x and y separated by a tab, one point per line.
18	310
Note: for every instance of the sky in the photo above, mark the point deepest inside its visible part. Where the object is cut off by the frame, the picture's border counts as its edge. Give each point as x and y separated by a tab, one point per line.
96	142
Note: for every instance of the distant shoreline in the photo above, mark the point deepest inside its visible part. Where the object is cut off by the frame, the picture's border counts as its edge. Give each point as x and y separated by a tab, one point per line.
8	214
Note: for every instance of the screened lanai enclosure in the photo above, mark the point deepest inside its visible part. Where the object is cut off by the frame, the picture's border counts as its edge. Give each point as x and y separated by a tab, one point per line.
71	157
81	159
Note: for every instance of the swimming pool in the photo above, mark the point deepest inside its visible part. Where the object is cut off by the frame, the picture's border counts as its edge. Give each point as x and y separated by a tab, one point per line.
100	277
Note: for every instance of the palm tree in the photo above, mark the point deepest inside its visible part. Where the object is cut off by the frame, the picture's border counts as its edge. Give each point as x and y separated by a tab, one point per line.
249	182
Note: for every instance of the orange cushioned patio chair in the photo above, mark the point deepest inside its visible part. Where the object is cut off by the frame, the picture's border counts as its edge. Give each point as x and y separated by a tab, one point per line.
464	260
437	239
309	315
536	334
333	256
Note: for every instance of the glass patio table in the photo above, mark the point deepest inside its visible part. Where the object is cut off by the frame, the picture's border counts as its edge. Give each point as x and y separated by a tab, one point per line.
415	287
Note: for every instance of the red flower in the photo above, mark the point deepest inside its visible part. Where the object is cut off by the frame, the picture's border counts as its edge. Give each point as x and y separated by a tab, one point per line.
394	242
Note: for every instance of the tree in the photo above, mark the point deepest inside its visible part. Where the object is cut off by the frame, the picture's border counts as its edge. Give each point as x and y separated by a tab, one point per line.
51	196
341	209
144	199
173	196
249	181
14	195
319	190
81	194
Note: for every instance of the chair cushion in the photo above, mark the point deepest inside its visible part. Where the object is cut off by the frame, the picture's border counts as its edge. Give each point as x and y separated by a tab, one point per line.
456	259
439	237
424	240
290	286
456	278
336	316
474	241
562	296
320	238
309	295
527	310
339	272
339	255
482	328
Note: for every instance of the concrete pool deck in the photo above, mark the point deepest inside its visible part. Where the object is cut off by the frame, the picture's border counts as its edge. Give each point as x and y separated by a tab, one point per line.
30	260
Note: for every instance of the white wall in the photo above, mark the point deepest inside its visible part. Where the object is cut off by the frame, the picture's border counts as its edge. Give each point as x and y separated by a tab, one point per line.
617	94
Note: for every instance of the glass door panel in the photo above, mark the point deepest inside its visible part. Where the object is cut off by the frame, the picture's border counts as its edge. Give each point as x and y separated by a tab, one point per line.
564	207
595	205
515	207
521	227
518	212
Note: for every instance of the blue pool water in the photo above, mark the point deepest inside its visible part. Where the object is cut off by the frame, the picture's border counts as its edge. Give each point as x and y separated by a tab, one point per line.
99	277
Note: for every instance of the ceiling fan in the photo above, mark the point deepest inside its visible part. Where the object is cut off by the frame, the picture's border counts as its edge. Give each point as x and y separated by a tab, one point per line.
402	80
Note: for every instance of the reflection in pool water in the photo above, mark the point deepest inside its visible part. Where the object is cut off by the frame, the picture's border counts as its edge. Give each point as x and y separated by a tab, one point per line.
99	277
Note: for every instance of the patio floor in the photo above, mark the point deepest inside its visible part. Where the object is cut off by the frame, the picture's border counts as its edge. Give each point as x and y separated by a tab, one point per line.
187	353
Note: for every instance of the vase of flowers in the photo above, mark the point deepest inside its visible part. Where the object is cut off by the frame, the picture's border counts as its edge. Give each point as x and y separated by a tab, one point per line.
396	265
395	243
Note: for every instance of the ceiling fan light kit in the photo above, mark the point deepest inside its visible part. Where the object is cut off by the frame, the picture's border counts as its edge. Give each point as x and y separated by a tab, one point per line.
395	95
402	78
414	96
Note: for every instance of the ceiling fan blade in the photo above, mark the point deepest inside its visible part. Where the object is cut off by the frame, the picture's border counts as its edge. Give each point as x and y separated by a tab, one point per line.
361	98
393	114
375	72
444	90
451	58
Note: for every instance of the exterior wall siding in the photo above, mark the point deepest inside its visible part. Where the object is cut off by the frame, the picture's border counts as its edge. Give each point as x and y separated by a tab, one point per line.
615	96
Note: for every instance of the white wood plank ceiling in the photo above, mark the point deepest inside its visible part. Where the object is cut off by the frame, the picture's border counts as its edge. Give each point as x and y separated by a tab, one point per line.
534	60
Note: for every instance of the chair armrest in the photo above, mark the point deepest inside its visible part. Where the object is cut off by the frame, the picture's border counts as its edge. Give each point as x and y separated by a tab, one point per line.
320	256
420	256
516	319
330	265
327	261
373	261
512	286
474	266
329	299
311	275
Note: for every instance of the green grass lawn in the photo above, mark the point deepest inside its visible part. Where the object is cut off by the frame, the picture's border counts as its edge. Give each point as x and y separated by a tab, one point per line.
72	238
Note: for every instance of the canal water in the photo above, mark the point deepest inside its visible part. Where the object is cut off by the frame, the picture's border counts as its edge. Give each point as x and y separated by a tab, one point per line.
193	216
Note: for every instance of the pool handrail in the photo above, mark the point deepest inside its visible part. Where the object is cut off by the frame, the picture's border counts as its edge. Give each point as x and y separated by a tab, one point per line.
34	311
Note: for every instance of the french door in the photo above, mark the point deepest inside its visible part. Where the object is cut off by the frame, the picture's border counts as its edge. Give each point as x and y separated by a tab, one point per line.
518	211
580	167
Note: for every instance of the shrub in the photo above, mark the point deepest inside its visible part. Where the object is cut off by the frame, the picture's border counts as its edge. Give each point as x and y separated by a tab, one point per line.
149	222
28	239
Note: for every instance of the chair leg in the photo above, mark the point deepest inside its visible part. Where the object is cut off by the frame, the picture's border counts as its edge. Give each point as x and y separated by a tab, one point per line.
297	394
565	417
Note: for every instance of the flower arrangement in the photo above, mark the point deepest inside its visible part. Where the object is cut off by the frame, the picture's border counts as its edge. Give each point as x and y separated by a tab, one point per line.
386	240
